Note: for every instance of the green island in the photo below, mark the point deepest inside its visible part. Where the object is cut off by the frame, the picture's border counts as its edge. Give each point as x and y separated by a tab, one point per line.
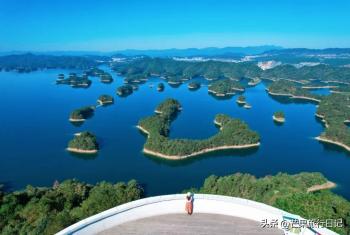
81	114
225	87
160	87
74	80
105	99
292	90
24	63
241	100
106	78
334	112
233	134
84	142
278	116
47	210
125	90
194	85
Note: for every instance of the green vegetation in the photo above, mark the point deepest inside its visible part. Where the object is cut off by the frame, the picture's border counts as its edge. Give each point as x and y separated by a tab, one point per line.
105	99
83	142
287	192
321	72
125	90
30	62
82	113
278	116
292	89
194	85
49	210
241	99
334	111
225	87
74	80
160	87
177	71
233	132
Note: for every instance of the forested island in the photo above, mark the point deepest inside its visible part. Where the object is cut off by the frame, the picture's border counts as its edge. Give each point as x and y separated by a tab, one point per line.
47	210
105	99
233	134
84	142
292	90
124	90
194	85
241	100
225	87
74	80
30	62
81	114
334	111
278	116
160	87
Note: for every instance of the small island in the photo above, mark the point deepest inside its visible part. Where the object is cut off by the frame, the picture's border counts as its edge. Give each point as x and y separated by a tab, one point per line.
81	114
279	117
247	106
105	100
233	134
106	78
160	87
74	80
85	142
241	100
125	90
194	85
225	87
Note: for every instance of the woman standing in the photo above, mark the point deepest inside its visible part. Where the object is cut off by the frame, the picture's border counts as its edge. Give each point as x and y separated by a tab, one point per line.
189	203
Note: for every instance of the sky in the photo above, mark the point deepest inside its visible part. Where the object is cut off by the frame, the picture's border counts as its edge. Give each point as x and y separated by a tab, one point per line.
109	25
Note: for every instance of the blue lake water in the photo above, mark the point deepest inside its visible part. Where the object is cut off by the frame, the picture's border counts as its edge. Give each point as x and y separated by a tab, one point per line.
35	130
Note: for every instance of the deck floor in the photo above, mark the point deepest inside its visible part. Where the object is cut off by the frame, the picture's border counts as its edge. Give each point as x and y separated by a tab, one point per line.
203	224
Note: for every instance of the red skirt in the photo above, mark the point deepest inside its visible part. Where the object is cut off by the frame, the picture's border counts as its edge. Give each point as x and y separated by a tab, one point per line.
189	207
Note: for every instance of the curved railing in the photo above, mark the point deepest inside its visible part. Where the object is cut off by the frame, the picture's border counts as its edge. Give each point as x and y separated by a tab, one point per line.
173	204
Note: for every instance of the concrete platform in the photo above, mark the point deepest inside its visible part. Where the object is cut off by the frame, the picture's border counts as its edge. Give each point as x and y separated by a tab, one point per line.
203	224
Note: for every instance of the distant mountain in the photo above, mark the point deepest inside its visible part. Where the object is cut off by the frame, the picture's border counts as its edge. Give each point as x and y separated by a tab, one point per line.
306	51
209	51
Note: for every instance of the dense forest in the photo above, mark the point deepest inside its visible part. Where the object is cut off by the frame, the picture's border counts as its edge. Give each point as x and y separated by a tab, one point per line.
84	141
82	113
233	132
225	87
37	210
46	211
287	192
334	111
124	90
30	62
285	87
105	99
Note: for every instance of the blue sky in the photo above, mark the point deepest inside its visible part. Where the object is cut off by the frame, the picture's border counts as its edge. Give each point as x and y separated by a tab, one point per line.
107	25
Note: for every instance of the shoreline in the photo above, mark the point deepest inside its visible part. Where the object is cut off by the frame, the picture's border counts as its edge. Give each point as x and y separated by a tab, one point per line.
293	96
201	152
103	103
323	139
207	150
280	120
318	187
76	120
76	150
319	87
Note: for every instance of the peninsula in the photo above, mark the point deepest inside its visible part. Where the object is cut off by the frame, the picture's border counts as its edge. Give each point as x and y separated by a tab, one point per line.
233	134
85	142
225	87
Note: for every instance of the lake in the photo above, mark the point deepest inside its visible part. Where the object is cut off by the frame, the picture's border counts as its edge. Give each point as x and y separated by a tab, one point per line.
35	131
